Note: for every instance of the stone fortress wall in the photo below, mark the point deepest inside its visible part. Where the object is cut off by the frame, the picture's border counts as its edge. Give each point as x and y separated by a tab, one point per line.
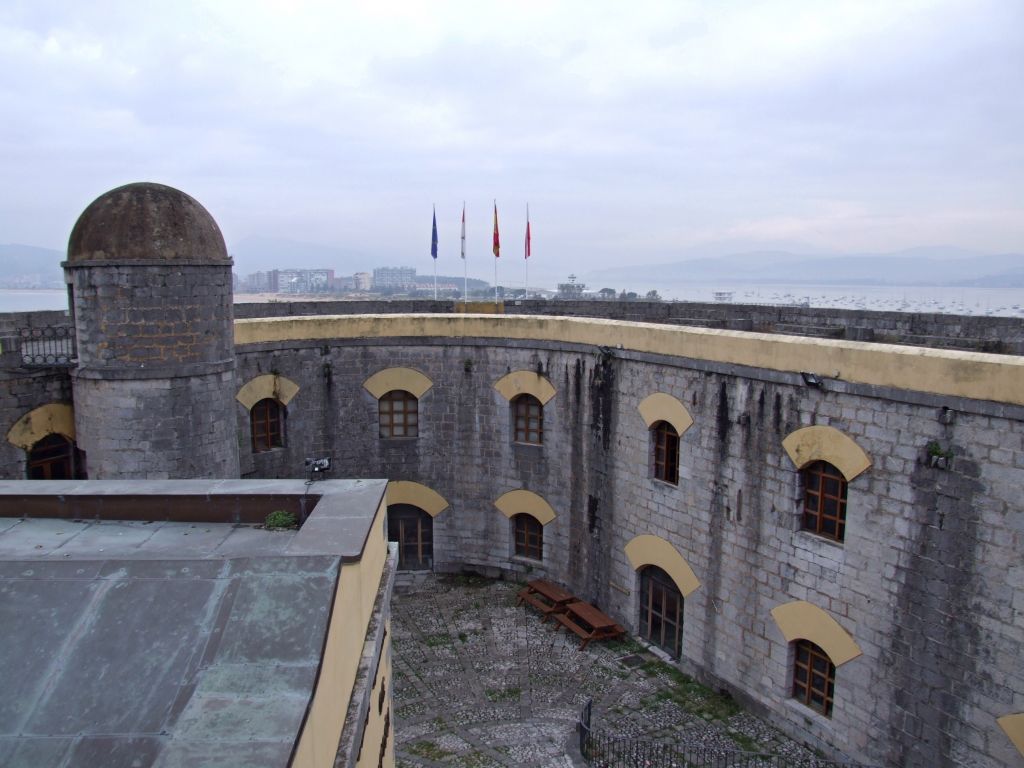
925	583
1000	335
920	607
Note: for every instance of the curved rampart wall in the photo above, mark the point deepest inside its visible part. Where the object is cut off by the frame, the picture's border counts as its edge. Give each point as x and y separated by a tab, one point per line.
925	584
981	333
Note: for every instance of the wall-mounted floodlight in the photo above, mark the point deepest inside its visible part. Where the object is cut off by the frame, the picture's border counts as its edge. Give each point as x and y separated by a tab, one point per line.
318	466
811	379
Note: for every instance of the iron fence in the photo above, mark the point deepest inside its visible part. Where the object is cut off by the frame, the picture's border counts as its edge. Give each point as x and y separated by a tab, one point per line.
603	751
48	345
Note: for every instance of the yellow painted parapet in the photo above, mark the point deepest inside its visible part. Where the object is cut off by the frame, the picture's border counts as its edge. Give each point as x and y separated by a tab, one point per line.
940	371
354	599
648	549
525	382
390	379
519	501
269	385
52	418
1013	726
799	620
480	307
408	492
663	407
820	443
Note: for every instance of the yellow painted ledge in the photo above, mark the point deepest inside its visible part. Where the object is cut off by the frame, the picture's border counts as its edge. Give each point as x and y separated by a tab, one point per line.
516	502
940	371
799	620
390	379
417	495
1013	727
648	549
664	407
49	419
821	443
525	382
269	385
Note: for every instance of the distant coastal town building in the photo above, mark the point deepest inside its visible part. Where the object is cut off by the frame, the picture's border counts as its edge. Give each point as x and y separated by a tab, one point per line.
394	278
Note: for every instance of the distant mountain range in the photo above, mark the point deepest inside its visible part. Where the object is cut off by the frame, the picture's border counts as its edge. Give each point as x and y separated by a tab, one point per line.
916	266
25	266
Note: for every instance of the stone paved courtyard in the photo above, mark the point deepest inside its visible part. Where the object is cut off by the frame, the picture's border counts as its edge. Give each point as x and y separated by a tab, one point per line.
480	682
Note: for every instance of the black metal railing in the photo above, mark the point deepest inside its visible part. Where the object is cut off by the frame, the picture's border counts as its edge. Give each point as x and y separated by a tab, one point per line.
47	345
605	751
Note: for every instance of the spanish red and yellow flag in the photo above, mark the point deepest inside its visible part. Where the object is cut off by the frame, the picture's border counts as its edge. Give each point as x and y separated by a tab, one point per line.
497	241
527	232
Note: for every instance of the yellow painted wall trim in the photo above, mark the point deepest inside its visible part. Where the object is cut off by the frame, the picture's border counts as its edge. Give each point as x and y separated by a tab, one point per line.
515	502
268	385
389	379
1013	726
648	549
799	620
52	418
978	375
480	307
354	598
821	443
525	382
408	492
663	407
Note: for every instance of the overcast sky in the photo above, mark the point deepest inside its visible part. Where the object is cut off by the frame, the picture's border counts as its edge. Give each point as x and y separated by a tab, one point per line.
638	132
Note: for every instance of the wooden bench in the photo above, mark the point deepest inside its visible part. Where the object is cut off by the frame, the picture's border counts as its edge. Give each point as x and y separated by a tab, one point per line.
546	597
588	623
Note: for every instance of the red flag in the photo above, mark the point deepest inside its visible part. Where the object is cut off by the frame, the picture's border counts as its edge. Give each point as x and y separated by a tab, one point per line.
527	233
497	242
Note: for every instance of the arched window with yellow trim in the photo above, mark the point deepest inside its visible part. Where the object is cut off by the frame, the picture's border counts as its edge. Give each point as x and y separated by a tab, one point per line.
814	677
399	414
266	420
661	610
527	536
665	452
824	509
527	419
51	458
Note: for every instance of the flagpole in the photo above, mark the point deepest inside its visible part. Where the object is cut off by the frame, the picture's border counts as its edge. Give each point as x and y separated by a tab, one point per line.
497	251
526	285
433	249
465	266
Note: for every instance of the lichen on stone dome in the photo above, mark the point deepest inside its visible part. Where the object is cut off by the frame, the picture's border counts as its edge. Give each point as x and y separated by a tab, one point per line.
143	222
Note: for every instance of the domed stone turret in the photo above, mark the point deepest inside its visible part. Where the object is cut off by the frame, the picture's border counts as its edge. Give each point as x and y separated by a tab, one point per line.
152	298
146	222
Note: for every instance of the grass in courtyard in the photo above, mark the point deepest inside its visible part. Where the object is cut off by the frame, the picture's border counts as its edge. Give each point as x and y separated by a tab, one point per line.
689	694
438	641
469	580
475	759
429	750
503	694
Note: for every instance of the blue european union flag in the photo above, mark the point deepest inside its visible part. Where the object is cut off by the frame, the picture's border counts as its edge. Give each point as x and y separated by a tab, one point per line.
433	237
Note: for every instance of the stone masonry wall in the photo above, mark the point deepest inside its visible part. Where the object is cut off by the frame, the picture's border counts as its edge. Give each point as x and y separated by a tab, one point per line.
969	332
145	316
927	580
158	428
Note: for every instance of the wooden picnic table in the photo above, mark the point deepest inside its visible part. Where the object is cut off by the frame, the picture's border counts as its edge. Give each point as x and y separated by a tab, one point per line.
588	622
546	597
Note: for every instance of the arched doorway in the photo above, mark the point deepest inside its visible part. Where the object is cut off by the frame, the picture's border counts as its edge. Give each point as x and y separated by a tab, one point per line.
413	530
52	458
661	610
